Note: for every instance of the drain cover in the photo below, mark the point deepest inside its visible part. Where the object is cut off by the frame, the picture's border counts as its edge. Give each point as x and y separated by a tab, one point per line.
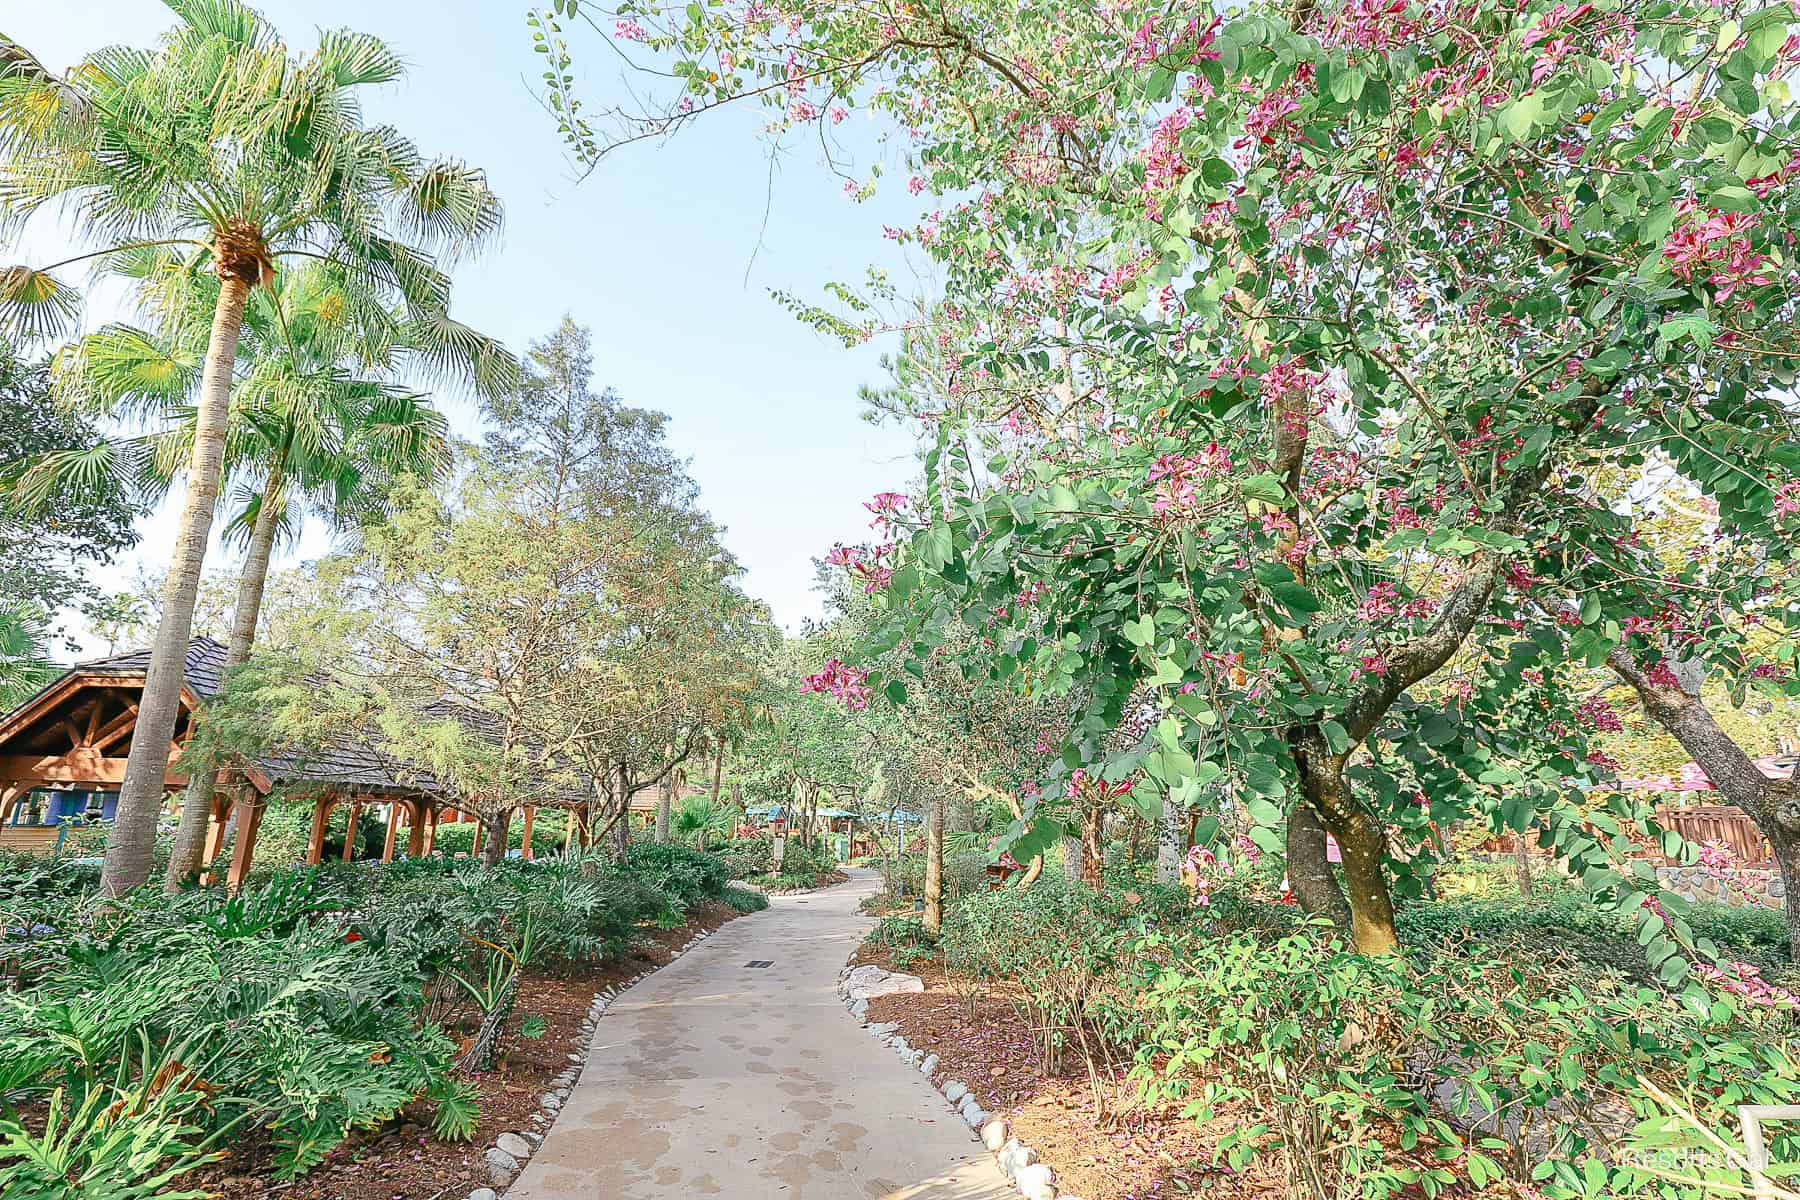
760	962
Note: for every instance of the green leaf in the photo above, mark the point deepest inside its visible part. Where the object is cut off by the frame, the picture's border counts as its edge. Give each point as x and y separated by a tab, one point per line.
1140	632
1263	487
935	546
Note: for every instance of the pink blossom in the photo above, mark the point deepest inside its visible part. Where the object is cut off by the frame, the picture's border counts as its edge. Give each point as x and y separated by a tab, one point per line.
847	684
627	29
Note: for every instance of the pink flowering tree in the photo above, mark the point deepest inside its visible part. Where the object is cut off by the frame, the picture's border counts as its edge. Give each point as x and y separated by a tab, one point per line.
1289	347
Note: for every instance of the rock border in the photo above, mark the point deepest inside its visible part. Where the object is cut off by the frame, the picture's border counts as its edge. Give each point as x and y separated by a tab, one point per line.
1017	1161
506	1158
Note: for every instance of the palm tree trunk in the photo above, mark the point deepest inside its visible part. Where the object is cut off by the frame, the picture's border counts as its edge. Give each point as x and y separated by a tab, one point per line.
196	806
498	829
132	845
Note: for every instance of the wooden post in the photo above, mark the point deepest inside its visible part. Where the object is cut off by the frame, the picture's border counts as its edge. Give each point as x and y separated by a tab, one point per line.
387	847
350	830
431	824
530	812
218	820
415	829
249	819
9	796
315	841
475	845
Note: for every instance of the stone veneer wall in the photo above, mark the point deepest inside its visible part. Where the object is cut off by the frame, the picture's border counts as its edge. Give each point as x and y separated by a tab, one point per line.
1738	885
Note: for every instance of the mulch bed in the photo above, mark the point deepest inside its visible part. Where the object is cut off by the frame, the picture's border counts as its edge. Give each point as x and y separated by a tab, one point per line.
1127	1152
402	1161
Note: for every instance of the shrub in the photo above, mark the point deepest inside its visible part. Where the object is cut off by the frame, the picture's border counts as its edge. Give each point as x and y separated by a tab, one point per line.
687	877
1327	1048
745	858
745	900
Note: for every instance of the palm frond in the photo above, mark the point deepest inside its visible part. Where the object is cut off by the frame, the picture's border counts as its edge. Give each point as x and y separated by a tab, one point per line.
449	205
357	58
35	306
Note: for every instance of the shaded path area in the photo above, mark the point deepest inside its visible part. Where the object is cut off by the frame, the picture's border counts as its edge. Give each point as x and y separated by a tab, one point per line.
711	1078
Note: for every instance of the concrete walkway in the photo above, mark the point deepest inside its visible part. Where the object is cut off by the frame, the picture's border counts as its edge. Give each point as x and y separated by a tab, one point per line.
713	1079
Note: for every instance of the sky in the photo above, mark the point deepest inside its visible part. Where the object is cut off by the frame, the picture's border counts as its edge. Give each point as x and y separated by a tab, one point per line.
663	252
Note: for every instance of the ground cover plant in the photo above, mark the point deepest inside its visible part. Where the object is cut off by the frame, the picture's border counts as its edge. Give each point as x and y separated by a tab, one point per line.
140	1034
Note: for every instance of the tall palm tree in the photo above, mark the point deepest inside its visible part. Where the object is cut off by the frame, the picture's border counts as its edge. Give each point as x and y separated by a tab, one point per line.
317	425
223	143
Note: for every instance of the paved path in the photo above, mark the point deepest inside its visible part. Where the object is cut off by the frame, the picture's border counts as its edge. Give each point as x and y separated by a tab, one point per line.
710	1079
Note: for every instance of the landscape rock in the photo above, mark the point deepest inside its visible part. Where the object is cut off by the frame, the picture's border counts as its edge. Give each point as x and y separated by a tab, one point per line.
955	1090
484	1194
869	981
860	1009
1015	1156
502	1167
930	1065
993	1134
550	1100
514	1145
1036	1182
883	1028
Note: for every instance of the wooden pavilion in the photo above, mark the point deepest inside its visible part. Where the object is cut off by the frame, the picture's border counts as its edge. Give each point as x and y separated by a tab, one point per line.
63	755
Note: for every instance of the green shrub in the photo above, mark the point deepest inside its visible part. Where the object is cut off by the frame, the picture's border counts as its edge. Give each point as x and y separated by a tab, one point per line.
893	933
745	900
745	858
1323	1046
687	877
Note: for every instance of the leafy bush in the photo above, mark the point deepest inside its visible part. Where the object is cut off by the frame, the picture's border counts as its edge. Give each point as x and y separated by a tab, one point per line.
687	877
746	858
894	933
1327	1048
745	900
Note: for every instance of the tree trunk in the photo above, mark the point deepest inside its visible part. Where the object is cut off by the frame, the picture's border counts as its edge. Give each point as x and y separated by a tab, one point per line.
1773	804
621	829
1309	870
665	804
1360	840
132	844
1071	859
1522	865
1093	854
718	771
934	864
196	806
495	848
1171	843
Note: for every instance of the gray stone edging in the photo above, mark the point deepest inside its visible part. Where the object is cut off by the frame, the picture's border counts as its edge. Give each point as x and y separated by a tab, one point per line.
1017	1161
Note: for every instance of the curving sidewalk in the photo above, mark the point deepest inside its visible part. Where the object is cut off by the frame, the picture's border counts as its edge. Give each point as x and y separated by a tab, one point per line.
711	1078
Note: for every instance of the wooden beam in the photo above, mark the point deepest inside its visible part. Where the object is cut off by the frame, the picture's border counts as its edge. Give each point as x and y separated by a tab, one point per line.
217	816
9	796
315	839
530	812
249	819
78	766
116	728
431	824
350	829
393	825
475	844
415	828
93	722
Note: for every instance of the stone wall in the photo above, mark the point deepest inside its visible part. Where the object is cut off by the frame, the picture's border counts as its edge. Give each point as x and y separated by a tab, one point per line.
1737	885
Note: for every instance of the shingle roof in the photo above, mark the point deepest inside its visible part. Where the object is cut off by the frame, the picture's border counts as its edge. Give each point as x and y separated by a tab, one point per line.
203	669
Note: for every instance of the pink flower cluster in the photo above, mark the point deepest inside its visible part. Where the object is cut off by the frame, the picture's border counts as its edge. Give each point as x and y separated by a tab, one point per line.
1716	245
1745	981
1176	475
847	684
872	566
1787	500
1165	165
1597	714
627	29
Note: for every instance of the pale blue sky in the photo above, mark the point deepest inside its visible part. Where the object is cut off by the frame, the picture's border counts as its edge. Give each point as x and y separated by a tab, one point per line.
651	252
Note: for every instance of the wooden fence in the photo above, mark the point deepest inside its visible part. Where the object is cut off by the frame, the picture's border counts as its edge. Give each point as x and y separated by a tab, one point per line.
1723	823
1696	823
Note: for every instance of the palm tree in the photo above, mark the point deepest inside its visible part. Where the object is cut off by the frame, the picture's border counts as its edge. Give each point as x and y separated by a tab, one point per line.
223	144
24	665
309	430
699	820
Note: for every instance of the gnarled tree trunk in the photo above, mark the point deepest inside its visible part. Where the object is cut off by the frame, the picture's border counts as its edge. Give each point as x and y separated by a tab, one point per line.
132	843
1774	804
934	863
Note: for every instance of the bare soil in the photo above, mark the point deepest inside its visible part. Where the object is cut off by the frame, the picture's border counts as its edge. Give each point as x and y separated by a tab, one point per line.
401	1160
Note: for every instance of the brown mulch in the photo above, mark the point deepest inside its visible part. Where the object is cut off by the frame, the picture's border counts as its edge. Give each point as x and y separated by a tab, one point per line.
402	1161
1126	1153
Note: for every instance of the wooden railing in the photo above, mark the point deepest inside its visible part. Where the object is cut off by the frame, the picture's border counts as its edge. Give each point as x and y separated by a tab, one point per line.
1723	823
29	839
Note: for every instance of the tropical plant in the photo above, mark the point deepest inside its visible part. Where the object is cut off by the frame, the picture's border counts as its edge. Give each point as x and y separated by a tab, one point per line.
224	147
700	821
